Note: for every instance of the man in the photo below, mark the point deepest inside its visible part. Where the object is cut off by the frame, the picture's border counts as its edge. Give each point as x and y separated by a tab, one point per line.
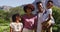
39	16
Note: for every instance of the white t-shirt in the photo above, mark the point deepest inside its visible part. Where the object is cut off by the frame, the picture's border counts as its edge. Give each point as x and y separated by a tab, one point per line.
40	19
16	26
46	16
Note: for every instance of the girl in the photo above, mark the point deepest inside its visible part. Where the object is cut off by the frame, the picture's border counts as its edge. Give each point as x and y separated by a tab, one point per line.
16	25
29	20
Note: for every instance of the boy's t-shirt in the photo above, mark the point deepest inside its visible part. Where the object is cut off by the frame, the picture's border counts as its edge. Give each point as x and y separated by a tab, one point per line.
46	15
16	26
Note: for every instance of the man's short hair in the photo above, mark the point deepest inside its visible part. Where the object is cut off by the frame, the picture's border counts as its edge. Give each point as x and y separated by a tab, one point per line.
38	2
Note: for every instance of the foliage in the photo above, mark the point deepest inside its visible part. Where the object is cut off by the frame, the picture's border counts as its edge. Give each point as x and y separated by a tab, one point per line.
5	18
56	15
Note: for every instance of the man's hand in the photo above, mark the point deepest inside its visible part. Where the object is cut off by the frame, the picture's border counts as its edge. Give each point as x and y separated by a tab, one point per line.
46	25
49	24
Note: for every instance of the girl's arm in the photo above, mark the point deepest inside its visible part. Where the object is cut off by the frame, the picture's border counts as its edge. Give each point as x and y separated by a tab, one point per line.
11	29
21	27
21	30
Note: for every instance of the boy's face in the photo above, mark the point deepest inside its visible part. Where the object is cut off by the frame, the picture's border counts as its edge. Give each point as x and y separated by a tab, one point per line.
40	7
49	4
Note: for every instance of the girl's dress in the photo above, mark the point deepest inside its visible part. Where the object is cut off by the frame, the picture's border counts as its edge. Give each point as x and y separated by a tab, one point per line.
16	27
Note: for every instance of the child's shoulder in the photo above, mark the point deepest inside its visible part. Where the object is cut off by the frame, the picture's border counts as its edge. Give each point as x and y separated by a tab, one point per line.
49	10
21	23
12	23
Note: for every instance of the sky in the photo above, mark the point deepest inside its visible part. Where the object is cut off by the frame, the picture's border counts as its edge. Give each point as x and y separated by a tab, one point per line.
15	3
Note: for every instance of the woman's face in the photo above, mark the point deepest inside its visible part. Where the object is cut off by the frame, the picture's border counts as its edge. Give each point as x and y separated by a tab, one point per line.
28	10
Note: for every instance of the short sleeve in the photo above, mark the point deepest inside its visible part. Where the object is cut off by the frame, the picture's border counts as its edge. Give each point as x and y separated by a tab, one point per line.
21	25
11	25
52	20
49	11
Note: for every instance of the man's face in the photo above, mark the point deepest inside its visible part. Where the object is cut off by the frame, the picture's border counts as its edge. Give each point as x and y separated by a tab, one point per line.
40	7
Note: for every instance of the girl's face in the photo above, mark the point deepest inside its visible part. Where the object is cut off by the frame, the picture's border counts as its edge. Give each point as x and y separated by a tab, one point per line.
28	10
18	18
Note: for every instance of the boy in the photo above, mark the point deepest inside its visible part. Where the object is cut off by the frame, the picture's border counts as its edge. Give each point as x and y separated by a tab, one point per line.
49	21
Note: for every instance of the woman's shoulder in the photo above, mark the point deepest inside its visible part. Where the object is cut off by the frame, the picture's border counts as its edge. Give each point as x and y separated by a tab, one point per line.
35	16
24	15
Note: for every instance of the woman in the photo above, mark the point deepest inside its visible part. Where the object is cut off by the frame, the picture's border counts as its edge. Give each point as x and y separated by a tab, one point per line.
29	20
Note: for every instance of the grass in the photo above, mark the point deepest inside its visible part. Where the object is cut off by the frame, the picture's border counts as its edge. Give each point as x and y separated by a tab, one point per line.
4	25
4	28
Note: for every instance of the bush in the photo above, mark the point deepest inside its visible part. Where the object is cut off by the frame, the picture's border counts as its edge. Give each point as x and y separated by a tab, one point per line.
56	15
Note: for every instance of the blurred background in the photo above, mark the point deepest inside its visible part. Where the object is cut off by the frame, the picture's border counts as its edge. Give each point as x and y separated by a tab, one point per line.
10	7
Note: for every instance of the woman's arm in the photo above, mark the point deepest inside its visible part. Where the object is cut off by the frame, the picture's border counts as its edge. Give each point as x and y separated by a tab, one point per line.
35	25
